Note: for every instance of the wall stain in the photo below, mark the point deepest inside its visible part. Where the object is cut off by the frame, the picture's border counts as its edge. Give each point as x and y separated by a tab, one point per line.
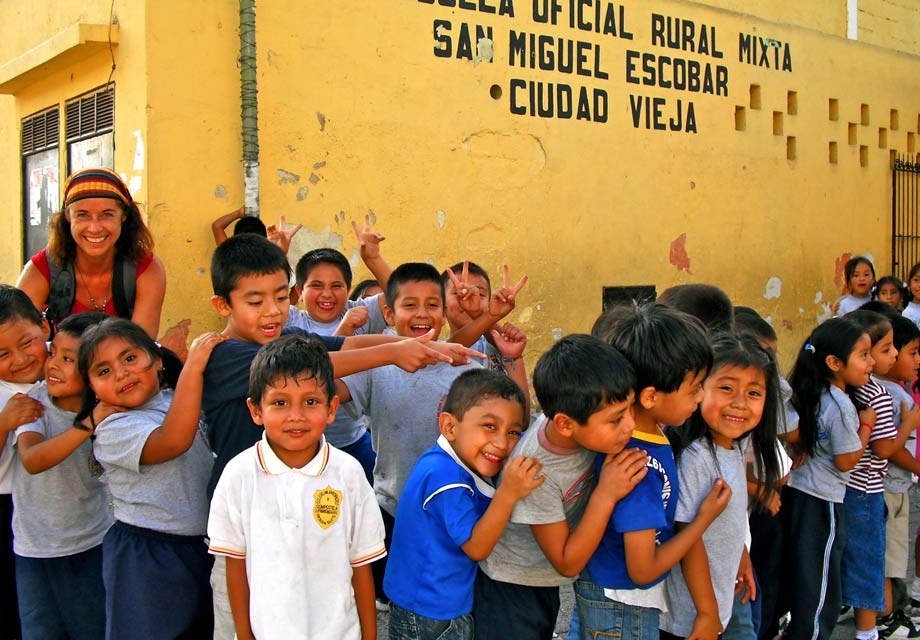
286	177
678	255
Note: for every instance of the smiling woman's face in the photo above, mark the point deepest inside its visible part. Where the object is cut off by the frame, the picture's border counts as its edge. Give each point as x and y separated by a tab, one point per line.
95	224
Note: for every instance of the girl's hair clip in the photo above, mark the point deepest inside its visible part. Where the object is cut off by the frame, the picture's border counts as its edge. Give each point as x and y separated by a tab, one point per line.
810	348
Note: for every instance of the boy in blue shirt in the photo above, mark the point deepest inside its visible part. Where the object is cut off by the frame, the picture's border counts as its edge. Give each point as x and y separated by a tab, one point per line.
450	504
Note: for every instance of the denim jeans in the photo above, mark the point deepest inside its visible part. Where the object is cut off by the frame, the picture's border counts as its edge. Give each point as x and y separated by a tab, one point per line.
405	625
600	617
61	598
741	625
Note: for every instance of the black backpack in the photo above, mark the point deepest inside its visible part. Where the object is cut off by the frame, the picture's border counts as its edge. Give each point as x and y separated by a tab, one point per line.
63	289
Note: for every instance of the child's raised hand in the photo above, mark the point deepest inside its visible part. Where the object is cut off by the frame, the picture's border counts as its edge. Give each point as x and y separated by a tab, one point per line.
368	239
715	502
621	472
282	236
200	351
520	476
503	300
354	318
467	295
20	410
510	340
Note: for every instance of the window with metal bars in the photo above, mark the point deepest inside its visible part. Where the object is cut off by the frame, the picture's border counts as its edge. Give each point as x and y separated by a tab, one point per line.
90	114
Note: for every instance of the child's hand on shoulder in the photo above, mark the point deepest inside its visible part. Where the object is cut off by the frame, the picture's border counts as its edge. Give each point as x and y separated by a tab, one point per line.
503	300
354	319
713	504
103	410
520	476
20	410
910	416
509	340
200	351
621	472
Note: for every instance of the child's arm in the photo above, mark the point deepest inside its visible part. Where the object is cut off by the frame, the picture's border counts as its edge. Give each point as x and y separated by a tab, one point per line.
282	236
369	248
746	581
359	353
219	226
362	580
569	552
519	478
38	453
174	437
238	594
904	458
695	568
19	410
886	447
647	561
510	342
500	305
846	461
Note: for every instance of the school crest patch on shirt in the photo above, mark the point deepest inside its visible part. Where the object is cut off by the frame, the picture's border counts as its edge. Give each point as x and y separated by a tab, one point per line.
326	506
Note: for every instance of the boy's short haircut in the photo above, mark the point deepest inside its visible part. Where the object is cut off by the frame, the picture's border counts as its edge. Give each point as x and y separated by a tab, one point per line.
291	356
905	331
662	344
321	256
747	320
472	267
579	375
473	387
16	305
244	255
881	307
873	323
411	272
76	324
250	224
706	302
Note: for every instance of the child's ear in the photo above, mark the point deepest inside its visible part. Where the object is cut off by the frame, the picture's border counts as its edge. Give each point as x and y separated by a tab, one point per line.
46	329
834	363
221	304
255	411
647	397
296	292
388	314
447	424
564	424
333	407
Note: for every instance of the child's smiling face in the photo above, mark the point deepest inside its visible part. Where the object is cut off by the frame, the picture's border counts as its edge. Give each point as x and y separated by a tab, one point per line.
22	351
862	280
61	373
733	402
419	308
484	437
325	293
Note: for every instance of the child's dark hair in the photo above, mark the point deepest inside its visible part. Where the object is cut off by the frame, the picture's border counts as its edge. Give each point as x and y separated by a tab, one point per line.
905	331
16	305
881	307
244	255
662	344
322	256
914	270
743	350
250	224
473	387
811	376
850	268
894	280
747	320
75	325
705	302
113	327
290	356
411	272
472	267
579	375
873	323
361	288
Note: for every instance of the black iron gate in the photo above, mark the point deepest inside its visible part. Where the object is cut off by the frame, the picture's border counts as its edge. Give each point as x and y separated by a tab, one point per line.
905	216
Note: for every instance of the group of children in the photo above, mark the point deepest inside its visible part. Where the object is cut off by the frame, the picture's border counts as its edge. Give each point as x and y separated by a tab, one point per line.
256	489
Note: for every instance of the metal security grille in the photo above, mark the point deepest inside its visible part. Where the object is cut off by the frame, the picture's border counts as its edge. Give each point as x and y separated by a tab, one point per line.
90	114
905	215
41	131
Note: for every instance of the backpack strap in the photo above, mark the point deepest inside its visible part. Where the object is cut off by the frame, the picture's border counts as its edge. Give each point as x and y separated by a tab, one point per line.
61	292
124	287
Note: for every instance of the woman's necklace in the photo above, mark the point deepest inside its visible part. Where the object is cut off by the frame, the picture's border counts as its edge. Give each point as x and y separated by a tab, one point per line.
96	305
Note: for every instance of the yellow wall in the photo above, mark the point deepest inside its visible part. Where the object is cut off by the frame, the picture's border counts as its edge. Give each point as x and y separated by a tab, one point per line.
358	114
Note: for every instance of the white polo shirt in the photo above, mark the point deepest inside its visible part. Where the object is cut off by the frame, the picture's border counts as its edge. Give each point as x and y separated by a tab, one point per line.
300	531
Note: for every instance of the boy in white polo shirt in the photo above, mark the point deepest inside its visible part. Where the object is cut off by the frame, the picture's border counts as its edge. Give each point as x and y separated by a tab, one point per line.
295	517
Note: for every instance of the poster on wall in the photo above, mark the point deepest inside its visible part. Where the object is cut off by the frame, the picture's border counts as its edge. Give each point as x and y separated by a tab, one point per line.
98	151
42	199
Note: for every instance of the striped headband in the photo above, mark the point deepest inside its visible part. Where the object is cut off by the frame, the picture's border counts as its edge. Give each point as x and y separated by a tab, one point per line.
96	182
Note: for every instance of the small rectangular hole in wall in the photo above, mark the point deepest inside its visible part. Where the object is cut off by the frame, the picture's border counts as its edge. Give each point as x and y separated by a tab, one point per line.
883	138
851	133
833	109
864	115
755	96
863	155
740	118
893	123
777	123
790	148
918	124
911	141
613	296
892	156
832	152
792	103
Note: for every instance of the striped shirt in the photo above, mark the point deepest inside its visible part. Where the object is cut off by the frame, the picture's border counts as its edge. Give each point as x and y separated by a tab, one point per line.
868	475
